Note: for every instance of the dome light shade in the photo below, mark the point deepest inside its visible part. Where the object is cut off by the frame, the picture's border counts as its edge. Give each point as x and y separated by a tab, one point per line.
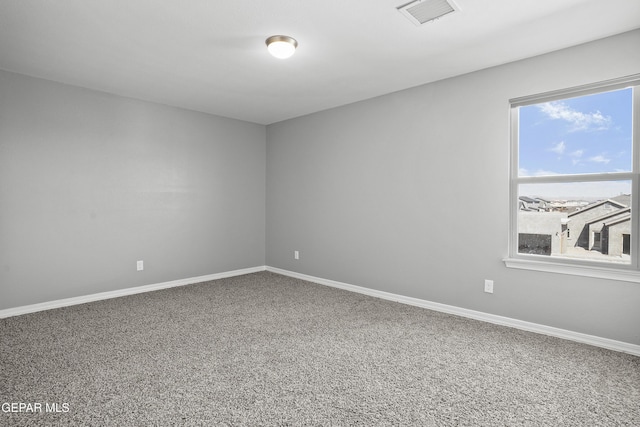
281	46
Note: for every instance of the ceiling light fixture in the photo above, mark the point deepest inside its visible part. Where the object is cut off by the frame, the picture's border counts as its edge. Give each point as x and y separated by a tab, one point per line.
281	46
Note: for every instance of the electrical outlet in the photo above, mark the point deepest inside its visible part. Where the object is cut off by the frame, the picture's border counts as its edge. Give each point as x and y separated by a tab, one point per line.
296	254
140	265
488	286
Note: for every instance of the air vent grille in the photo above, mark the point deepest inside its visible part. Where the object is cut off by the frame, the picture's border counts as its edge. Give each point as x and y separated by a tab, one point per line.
422	11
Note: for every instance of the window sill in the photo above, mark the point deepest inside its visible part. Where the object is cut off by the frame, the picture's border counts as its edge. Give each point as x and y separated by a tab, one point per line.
575	270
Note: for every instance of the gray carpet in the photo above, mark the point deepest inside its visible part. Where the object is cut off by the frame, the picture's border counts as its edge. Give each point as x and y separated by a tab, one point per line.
265	349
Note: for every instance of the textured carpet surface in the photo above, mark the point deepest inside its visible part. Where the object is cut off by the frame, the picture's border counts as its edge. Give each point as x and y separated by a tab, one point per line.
265	349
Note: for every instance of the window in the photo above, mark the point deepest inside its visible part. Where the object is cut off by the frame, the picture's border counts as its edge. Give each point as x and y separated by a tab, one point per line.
626	244
575	179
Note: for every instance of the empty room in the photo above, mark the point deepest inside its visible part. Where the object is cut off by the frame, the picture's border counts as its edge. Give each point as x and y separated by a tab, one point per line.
363	212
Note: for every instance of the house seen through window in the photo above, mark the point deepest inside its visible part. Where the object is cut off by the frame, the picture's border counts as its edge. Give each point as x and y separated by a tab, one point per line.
574	179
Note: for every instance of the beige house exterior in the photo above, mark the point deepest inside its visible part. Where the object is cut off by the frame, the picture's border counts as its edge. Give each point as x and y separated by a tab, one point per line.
603	227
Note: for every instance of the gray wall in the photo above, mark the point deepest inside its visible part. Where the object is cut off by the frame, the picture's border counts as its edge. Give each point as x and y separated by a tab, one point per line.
408	193
90	183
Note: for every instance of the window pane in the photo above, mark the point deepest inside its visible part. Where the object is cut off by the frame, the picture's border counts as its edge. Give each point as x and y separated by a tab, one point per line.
583	220
587	134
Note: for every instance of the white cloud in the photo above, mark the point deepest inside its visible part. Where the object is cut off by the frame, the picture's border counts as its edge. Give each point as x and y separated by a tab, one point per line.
599	159
539	172
542	172
580	121
576	156
558	148
576	190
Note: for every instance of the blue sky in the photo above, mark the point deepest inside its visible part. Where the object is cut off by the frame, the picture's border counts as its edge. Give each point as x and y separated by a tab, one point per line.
589	134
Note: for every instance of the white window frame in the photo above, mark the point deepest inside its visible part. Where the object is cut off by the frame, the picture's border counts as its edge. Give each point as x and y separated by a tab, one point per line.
627	272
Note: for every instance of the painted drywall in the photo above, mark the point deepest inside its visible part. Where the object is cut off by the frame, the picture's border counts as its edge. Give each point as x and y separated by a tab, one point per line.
90	183
408	193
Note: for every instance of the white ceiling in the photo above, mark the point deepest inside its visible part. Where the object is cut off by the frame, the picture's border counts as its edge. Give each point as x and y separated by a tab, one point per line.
210	55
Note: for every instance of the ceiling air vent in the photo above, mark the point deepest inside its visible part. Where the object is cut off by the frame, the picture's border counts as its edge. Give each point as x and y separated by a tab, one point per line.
422	11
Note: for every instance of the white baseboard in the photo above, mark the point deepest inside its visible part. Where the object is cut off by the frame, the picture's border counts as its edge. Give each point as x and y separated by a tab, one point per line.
472	314
123	292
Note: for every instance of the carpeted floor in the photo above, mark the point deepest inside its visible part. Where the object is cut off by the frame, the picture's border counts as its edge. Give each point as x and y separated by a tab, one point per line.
265	349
